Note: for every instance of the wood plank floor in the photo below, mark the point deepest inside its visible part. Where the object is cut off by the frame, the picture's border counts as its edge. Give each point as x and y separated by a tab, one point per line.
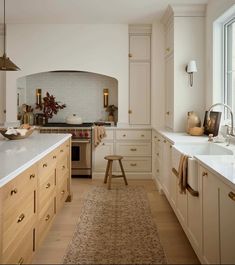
175	243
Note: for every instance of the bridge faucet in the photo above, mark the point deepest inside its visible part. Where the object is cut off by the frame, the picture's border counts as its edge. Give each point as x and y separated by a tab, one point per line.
231	114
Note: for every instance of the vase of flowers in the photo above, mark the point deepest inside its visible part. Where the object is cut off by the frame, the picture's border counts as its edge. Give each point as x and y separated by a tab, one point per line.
49	106
111	110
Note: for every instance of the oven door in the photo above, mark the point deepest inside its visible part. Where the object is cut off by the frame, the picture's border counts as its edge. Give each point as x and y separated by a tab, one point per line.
81	154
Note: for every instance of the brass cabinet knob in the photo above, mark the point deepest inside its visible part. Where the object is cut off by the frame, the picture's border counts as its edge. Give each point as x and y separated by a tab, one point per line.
204	174
63	167
133	164
142	135
155	137
124	135
63	192
159	140
47	217
164	141
231	195
54	157
168	113
32	176
14	191
130	55
168	49
133	149
61	150
157	154
129	111
44	165
48	185
157	170
21	218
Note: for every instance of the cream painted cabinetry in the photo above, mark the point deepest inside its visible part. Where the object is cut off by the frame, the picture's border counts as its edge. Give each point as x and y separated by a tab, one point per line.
139	77
29	202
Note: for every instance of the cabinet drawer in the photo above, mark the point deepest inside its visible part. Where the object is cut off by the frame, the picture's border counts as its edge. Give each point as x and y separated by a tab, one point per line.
46	189
137	164
45	220
22	254
109	135
18	219
62	194
47	163
61	168
63	149
16	189
133	135
136	149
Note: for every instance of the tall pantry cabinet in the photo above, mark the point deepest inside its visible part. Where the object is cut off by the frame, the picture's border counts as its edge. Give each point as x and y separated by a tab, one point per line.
139	74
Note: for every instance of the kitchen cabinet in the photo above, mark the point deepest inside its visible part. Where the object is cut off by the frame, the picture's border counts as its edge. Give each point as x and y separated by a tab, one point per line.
139	78
102	150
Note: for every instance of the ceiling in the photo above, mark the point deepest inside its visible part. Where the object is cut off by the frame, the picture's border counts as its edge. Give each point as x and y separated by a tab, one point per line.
87	11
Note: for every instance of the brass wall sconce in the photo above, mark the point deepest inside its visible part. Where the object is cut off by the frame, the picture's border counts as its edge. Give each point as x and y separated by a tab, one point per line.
38	96
190	69
106	97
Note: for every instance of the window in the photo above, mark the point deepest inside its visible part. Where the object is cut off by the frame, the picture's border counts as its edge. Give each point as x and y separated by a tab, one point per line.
229	63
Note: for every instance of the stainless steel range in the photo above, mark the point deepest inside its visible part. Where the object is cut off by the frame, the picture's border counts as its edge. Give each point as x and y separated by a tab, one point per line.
81	145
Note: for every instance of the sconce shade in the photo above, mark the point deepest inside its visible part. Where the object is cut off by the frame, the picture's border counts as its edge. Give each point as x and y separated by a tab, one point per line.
192	67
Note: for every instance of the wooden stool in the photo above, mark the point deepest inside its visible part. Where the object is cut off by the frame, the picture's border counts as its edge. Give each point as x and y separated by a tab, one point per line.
109	174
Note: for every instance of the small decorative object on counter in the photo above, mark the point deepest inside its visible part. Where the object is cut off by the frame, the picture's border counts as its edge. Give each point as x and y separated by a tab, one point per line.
193	120
196	131
111	110
27	115
49	106
212	125
73	119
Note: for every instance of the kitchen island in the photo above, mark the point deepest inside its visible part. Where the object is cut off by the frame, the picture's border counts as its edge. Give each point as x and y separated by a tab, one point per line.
35	178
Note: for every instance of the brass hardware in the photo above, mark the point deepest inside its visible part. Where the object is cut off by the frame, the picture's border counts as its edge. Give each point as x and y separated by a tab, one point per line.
231	195
142	135
32	176
48	185
133	164
168	113
124	135
164	141
47	217
130	55
157	170
157	154
21	218
67	145
105	97
133	149
63	167
21	261
168	49
204	174
54	157
155	137
192	191
170	146
61	150
175	172
159	140
63	192
14	191
129	111
103	143
44	165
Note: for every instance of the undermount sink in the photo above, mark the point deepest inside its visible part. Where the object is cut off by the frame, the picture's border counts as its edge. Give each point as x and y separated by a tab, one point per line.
193	149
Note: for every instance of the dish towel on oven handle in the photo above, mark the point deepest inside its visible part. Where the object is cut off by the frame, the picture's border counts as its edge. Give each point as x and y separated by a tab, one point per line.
183	173
99	134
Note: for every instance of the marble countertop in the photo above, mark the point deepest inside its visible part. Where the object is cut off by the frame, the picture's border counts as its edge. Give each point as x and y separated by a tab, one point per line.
18	155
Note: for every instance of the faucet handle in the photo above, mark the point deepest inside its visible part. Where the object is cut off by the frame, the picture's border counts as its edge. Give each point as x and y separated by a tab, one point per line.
210	137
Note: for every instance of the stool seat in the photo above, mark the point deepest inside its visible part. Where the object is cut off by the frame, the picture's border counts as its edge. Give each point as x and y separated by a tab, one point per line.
109	174
113	157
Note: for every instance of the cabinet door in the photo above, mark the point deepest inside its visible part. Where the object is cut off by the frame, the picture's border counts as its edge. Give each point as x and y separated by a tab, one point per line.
140	93
140	47
102	150
169	103
166	156
210	213
227	221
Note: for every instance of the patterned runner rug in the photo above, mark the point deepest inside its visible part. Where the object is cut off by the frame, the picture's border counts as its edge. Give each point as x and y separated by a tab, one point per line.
115	227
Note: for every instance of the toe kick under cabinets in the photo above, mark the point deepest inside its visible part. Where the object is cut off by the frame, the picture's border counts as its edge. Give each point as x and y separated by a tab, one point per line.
29	204
133	144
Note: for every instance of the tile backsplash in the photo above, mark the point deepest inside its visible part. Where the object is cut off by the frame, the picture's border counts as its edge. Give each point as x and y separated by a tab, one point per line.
82	93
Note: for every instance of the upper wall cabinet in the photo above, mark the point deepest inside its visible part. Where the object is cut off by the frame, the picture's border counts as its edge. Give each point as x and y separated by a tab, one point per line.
139	75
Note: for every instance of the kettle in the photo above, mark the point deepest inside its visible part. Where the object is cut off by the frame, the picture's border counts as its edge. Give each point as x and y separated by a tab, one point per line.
73	119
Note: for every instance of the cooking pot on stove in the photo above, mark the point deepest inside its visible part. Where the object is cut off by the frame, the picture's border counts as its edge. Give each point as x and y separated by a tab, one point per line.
73	119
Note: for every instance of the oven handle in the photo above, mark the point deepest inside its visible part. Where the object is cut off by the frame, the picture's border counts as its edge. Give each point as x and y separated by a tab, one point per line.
81	141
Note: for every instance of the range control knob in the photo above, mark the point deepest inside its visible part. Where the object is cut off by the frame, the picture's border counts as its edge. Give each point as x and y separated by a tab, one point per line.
80	134
86	134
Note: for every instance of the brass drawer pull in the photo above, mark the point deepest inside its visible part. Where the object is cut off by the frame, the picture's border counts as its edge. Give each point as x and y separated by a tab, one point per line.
21	261
167	49
155	137
103	143
48	185
44	165
14	191
168	113
157	154
63	192
157	170
63	167
204	174
142	135
32	176
21	218
133	149
133	164
47	217
175	172
130	55
164	141
159	140
124	135
231	195
61	150
54	157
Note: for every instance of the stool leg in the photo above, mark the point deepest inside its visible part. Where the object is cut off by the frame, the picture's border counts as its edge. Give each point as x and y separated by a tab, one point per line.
110	174
123	172
106	172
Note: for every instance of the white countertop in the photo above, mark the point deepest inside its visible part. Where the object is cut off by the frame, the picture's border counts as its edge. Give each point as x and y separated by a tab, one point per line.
18	155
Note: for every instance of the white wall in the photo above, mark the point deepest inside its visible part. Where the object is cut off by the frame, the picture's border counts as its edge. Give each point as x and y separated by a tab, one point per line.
101	49
81	92
158	75
215	9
